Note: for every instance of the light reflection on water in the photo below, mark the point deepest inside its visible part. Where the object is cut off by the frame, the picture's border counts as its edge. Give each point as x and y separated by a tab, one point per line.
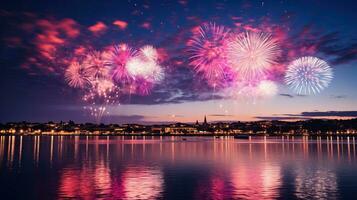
106	167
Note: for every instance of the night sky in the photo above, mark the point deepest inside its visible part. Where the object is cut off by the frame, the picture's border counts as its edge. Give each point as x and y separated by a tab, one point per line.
40	38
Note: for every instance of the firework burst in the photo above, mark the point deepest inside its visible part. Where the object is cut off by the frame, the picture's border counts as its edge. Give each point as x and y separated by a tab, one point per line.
104	76
207	49
117	59
308	75
77	75
252	54
150	53
96	63
145	65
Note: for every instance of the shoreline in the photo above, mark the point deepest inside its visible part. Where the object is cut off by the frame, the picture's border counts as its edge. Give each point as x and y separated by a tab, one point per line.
186	135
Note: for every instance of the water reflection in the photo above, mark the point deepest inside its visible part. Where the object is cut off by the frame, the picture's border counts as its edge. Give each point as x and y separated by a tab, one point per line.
171	168
142	183
256	181
315	184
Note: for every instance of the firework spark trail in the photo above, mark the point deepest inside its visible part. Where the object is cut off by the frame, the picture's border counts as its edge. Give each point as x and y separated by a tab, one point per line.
102	93
207	50
308	75
117	59
252	54
77	75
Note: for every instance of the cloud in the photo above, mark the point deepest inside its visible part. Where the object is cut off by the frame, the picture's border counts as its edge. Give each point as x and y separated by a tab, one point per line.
286	95
41	38
220	115
339	96
330	114
120	24
146	25
123	118
98	28
282	118
310	115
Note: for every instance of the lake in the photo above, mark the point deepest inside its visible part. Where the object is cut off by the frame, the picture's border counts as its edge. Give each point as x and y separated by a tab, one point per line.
154	167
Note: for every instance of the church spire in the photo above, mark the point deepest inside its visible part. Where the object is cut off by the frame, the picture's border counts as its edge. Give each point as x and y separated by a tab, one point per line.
205	120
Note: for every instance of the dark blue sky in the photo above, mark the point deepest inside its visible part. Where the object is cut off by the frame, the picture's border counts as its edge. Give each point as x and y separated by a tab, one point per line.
33	61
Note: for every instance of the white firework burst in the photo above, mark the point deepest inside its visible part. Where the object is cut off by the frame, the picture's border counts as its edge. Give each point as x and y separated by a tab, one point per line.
145	65
149	52
252	54
308	75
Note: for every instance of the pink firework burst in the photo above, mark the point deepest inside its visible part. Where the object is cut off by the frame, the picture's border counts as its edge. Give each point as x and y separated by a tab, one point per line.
77	75
117	58
143	87
97	65
207	49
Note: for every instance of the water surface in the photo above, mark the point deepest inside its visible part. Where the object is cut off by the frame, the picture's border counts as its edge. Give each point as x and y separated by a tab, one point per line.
117	167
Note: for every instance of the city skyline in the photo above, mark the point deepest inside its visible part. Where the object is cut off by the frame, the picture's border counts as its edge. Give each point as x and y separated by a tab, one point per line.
40	40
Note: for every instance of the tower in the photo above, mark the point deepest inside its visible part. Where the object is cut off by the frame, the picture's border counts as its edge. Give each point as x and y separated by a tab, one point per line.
205	120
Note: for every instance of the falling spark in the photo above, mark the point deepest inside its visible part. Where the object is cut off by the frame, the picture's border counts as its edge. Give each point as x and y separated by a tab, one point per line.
101	94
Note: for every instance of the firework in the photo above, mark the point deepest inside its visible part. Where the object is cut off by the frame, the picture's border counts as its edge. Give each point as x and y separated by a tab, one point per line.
207	49
252	54
96	63
143	86
101	94
308	75
117	59
103	76
251	91
102	86
145	65
149	52
77	75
